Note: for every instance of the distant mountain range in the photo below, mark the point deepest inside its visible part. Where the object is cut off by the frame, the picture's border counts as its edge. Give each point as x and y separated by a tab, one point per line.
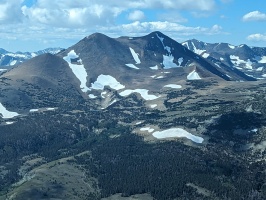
8	59
250	60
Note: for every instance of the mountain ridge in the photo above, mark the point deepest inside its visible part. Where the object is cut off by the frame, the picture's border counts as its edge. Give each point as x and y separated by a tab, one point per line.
9	59
249	60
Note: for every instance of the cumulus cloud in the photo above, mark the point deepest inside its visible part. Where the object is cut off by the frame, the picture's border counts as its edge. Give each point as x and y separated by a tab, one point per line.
69	16
69	13
10	11
254	16
203	5
136	15
50	20
257	37
139	28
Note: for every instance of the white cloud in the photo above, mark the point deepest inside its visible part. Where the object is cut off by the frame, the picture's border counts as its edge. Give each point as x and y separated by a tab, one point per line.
254	16
140	28
10	11
136	15
69	13
57	20
216	29
70	16
257	37
203	5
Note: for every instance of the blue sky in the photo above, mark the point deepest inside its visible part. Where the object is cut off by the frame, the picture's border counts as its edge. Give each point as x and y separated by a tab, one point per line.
31	25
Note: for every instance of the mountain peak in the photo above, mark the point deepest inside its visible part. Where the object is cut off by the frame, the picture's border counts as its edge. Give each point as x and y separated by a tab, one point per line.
97	36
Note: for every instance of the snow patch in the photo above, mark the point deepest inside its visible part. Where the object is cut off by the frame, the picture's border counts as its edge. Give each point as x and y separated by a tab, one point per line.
103	93
106	80
149	129
197	51
217	65
259	69
180	60
221	59
168	62
205	55
34	110
193	76
137	123
13	62
132	66
159	77
255	130
237	61
92	96
17	55
33	54
112	102
155	67
7	114
153	105
135	55
78	70
143	92
8	123
177	132
263	59
185	44
173	86
50	109
231	46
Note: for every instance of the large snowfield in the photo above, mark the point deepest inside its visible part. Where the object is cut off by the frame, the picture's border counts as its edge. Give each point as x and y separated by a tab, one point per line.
168	62
78	69
7	114
106	80
177	132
